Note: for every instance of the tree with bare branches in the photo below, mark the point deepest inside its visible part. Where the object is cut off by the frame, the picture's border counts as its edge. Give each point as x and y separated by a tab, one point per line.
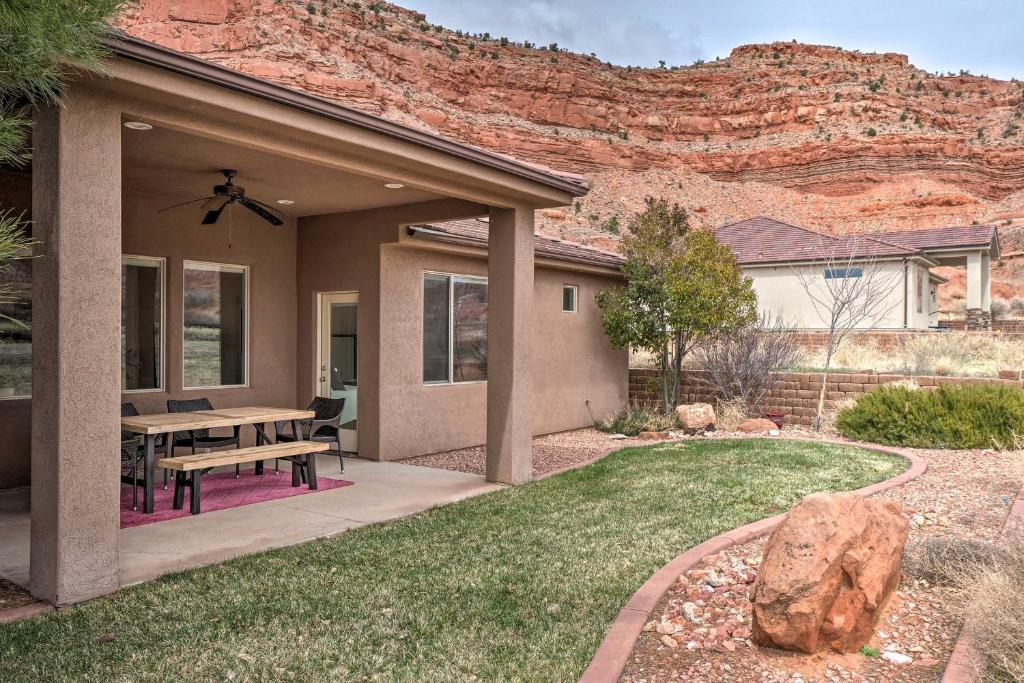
850	289
744	364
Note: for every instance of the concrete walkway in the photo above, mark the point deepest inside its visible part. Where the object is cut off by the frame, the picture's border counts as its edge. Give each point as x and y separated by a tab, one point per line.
382	491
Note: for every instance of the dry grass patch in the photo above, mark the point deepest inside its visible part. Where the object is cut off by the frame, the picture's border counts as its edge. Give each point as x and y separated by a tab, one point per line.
989	595
945	354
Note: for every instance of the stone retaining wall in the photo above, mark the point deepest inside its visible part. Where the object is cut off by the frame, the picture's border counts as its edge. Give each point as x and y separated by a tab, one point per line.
796	395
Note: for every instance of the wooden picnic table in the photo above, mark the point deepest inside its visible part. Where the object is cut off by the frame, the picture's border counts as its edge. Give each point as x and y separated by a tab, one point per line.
150	426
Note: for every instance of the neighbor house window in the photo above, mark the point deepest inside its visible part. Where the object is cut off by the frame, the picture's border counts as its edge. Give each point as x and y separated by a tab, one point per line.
837	273
216	325
569	298
16	329
142	312
454	328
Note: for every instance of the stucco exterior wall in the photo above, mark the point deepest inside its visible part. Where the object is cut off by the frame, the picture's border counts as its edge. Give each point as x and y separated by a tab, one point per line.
177	236
779	289
572	361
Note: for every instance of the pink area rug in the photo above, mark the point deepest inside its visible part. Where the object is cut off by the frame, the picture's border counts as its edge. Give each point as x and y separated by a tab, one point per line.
220	491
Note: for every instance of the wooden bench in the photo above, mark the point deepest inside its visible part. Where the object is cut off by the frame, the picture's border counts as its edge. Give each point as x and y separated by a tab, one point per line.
190	468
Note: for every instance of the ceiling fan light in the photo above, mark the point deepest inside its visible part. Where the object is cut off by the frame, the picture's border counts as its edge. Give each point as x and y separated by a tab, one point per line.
394	186
137	125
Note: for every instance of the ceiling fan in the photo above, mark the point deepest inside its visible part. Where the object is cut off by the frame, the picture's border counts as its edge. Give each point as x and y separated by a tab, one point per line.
229	193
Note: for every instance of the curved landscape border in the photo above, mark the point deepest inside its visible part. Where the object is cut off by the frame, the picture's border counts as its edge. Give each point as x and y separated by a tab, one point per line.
964	662
611	657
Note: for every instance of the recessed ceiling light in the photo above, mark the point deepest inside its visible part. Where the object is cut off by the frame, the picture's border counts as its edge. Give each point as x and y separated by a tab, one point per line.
137	125
394	186
285	201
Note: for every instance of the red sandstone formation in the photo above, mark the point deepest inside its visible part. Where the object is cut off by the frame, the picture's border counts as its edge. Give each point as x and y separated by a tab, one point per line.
818	135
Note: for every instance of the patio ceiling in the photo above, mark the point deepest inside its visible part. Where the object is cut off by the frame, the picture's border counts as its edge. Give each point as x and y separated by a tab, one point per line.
179	166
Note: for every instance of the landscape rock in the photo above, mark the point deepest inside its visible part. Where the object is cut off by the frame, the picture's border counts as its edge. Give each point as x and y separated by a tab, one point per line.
757	425
696	416
828	570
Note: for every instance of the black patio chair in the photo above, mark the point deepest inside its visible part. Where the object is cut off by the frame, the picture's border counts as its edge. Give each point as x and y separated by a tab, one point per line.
199	438
325	427
132	453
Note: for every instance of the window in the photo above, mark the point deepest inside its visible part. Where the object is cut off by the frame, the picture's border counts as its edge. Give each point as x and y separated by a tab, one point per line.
836	273
142	312
454	328
569	298
16	337
215	325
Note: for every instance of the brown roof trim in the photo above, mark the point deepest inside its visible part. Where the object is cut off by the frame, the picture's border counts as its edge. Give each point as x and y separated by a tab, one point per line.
144	52
584	255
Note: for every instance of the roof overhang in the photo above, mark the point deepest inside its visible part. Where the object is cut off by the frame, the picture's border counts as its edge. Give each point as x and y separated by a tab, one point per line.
819	261
187	93
423	237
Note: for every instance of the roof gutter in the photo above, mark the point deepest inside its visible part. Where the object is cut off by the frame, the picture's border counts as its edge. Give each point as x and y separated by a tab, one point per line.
151	54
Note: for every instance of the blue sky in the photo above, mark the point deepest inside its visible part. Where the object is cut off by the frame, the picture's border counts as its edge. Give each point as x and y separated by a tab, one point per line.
984	37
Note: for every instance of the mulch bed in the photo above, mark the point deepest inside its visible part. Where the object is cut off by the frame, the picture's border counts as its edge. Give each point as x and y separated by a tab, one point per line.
702	632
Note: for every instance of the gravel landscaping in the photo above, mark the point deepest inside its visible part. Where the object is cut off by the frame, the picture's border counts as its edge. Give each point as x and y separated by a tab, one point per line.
551	453
703	632
12	595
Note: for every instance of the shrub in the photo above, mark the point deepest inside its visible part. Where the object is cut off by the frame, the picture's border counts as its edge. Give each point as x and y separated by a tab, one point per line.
989	597
742	364
971	416
633	419
943	561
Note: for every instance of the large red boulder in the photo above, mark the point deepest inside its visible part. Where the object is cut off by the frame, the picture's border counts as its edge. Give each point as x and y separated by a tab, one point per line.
828	570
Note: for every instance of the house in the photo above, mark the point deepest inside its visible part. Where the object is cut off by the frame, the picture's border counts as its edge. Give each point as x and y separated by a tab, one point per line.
784	259
379	284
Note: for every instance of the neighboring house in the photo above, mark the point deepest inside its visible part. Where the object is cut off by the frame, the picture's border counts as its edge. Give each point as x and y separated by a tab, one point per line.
781	257
441	334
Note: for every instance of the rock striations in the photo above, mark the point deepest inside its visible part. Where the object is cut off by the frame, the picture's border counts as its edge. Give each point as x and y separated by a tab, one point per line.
830	138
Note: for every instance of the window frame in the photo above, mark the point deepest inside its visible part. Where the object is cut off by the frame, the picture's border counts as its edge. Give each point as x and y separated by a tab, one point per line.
162	265
575	299
451	324
844	273
246	349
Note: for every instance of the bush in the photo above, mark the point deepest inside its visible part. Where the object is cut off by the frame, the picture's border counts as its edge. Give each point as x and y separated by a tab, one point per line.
742	365
972	416
631	420
943	561
989	597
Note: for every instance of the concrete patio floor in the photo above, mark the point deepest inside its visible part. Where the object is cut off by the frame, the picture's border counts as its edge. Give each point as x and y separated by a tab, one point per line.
382	491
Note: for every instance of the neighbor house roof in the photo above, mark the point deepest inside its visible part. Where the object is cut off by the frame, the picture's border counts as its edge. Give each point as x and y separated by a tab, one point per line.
473	232
135	49
952	237
766	240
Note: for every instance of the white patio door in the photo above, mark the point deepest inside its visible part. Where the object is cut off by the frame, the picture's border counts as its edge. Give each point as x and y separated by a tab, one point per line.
338	362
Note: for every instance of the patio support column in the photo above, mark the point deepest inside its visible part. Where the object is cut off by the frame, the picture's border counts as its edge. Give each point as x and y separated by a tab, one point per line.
76	363
509	337
986	282
974	280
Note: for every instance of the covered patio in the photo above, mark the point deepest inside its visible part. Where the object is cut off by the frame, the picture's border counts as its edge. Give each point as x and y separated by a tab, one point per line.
156	131
381	491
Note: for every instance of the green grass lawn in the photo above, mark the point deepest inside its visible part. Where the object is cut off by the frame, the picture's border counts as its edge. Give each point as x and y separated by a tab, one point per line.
517	585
